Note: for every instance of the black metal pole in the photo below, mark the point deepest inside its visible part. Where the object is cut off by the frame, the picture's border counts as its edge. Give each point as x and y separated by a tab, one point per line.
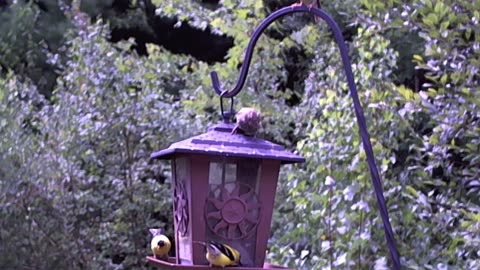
365	137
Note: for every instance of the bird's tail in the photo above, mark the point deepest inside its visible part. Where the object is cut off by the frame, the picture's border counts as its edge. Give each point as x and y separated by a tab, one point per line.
155	232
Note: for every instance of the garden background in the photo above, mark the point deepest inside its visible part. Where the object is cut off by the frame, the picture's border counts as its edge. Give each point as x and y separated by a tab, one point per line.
88	89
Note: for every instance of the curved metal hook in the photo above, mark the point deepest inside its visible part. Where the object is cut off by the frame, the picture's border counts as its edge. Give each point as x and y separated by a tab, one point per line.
256	35
356	103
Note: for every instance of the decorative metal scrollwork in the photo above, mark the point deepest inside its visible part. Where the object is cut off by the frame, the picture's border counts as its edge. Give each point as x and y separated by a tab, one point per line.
181	207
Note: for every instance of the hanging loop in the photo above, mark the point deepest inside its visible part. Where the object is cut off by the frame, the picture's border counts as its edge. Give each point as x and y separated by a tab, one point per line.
227	115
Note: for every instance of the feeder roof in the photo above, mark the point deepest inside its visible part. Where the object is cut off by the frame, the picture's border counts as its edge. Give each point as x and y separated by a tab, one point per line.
220	141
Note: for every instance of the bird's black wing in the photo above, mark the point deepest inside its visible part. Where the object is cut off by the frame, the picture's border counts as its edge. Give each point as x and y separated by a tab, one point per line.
224	250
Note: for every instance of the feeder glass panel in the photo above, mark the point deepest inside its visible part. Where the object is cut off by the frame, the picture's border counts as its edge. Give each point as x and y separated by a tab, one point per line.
233	207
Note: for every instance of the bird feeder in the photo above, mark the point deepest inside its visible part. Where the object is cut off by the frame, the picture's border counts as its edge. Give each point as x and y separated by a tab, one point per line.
224	188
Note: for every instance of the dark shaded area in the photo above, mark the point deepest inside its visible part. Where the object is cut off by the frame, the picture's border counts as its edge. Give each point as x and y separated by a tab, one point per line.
407	44
3	3
296	64
210	4
118	258
41	5
121	5
141	38
201	44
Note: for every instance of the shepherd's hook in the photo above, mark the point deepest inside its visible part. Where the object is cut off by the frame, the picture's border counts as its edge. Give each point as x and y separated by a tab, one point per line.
394	255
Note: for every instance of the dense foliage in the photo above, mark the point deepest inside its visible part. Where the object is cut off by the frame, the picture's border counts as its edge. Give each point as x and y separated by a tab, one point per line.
80	116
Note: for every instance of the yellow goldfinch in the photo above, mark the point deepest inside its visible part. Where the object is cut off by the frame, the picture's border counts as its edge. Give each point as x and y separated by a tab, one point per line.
310	4
221	255
160	244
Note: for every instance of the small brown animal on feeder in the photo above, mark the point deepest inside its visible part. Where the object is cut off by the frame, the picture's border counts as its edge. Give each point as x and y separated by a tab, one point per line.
248	121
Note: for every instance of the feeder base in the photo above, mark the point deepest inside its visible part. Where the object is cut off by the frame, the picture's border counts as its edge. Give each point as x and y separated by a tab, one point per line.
171	265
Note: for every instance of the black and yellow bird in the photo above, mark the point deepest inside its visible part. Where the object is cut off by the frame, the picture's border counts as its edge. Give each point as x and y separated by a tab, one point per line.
221	255
310	4
160	244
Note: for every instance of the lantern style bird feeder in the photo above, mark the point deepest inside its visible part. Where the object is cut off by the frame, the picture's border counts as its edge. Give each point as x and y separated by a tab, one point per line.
224	188
224	184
